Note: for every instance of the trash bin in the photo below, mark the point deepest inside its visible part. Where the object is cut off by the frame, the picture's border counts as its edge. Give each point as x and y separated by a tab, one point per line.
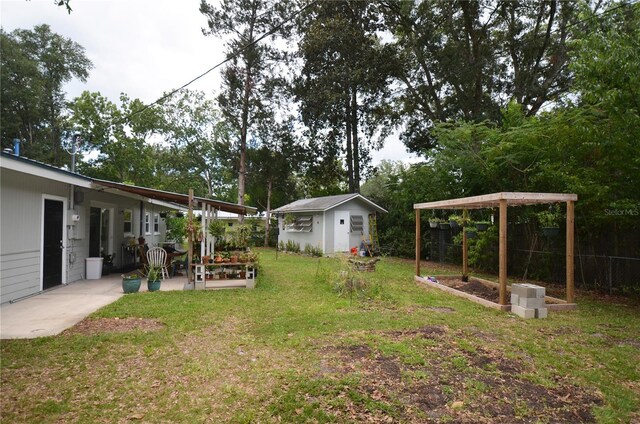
94	268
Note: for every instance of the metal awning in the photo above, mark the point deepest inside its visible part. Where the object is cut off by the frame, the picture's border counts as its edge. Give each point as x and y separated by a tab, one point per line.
178	198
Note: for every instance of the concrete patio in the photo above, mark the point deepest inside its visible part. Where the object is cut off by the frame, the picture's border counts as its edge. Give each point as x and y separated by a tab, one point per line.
55	310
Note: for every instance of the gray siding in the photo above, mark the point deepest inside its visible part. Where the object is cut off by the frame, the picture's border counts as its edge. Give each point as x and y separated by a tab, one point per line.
314	238
21	230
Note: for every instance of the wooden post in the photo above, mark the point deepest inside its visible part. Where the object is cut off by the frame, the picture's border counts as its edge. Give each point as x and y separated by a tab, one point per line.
503	252
190	237
418	242
570	250
465	248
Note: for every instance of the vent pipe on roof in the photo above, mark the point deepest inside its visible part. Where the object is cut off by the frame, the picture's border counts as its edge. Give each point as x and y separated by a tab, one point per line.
16	146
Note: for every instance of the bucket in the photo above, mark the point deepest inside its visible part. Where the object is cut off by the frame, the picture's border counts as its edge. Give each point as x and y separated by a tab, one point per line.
94	268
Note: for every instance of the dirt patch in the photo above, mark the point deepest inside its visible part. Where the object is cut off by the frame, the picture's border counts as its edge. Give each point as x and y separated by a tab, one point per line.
473	287
450	383
90	327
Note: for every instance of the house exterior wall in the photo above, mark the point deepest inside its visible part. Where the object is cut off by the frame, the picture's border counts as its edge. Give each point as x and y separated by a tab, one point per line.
21	204
21	231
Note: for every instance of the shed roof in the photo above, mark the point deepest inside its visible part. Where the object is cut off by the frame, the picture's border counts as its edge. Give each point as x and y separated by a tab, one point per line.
493	200
321	204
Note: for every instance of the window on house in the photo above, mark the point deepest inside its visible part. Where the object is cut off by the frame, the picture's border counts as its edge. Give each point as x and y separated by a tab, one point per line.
147	223
128	222
301	224
156	223
357	224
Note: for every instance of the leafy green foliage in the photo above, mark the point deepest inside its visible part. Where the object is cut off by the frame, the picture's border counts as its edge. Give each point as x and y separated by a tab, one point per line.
35	64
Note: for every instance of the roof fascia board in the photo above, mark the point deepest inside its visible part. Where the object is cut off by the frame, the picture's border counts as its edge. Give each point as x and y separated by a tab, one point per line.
364	199
45	171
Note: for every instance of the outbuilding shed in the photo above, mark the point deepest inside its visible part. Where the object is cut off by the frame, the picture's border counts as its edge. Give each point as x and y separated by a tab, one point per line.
331	223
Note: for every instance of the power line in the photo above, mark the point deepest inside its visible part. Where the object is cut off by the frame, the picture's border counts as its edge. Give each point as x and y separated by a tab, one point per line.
230	57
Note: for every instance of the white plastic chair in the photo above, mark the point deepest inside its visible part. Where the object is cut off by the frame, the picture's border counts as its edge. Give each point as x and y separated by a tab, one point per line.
157	256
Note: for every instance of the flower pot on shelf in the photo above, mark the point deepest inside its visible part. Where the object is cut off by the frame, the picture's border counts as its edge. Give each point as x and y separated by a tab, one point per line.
550	231
233	259
444	226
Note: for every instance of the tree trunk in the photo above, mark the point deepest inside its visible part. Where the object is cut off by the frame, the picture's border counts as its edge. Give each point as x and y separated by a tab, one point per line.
354	137
349	149
245	122
268	214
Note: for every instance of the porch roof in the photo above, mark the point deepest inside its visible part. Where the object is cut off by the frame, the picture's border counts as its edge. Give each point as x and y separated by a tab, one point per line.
181	199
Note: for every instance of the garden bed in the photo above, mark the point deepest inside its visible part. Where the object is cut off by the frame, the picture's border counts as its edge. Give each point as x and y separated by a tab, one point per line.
484	292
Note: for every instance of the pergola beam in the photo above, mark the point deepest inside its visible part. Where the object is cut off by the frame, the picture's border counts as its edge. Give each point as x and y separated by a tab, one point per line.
493	200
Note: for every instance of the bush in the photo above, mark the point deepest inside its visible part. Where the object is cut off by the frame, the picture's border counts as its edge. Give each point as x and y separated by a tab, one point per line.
310	250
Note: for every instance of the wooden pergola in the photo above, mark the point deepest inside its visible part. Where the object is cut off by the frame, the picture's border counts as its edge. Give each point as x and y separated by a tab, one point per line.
502	201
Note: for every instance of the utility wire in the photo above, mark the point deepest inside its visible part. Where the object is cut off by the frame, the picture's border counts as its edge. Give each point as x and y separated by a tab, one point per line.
230	57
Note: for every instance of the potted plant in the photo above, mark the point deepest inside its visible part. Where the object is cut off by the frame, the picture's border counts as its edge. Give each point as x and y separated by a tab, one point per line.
549	222
434	222
471	234
233	258
131	282
216	228
454	221
217	259
107	263
482	225
154	274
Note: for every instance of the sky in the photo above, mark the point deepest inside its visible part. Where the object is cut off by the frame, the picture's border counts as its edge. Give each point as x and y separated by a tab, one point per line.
143	48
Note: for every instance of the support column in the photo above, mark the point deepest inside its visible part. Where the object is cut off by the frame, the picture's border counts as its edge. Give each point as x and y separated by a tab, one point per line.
418	242
570	250
190	238
465	247
503	252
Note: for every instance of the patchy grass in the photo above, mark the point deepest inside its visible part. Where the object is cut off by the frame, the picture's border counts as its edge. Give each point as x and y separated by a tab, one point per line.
293	350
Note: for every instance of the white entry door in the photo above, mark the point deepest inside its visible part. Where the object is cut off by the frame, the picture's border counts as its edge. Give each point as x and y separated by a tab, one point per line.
341	228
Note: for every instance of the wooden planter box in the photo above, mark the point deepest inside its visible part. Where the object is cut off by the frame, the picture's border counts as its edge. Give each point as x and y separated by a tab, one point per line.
552	303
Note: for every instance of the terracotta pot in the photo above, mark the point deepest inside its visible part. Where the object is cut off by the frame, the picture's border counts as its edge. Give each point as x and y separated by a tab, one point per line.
234	259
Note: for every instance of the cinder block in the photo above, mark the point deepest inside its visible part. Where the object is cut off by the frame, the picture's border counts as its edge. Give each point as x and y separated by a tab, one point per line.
534	303
541	312
526	313
528	290
515	299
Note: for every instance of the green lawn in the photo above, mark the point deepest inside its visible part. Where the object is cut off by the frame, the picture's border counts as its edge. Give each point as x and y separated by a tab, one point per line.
293	350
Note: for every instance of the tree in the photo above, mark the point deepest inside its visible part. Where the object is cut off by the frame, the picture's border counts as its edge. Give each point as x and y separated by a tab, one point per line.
344	88
122	151
35	65
249	69
468	59
199	147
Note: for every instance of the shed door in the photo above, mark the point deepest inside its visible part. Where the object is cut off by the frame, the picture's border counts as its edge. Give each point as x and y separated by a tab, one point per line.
341	231
52	244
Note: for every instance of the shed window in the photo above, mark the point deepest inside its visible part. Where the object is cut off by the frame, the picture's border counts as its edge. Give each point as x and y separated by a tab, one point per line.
147	223
357	223
302	224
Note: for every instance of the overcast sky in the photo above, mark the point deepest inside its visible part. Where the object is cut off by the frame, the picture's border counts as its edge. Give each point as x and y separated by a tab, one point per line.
139	47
